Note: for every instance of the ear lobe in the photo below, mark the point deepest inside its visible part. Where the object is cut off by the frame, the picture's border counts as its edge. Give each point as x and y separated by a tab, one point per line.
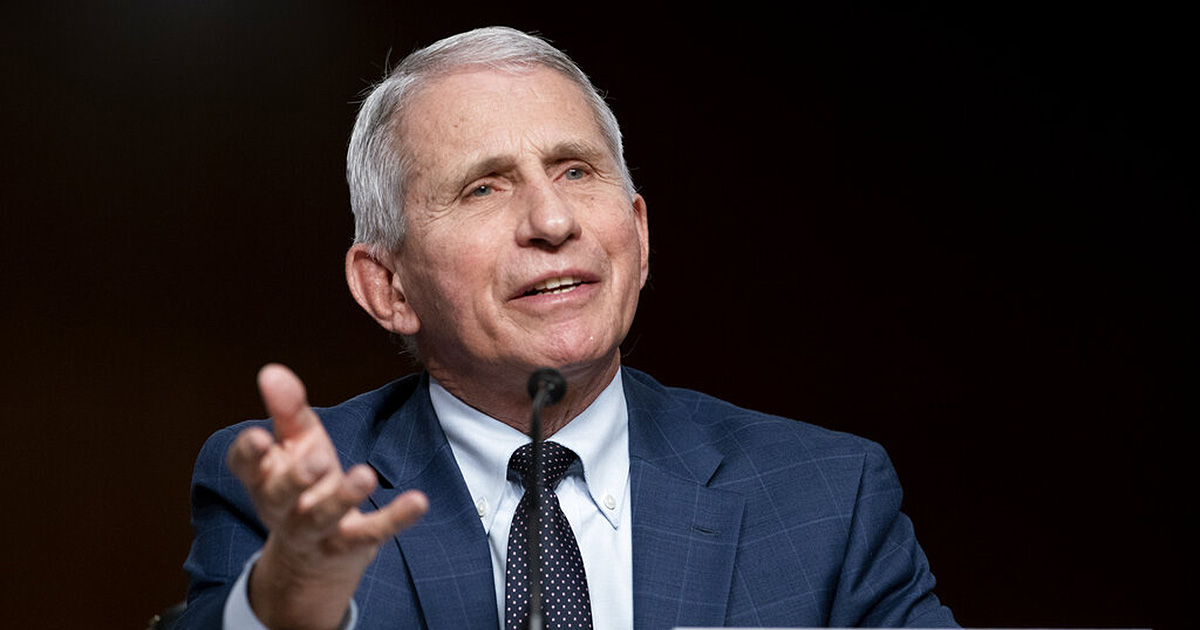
643	226
376	287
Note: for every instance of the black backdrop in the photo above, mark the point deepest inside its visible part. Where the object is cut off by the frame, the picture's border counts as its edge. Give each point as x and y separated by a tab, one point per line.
963	233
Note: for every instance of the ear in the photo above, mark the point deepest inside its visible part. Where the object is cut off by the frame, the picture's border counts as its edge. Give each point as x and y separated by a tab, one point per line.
643	227
377	288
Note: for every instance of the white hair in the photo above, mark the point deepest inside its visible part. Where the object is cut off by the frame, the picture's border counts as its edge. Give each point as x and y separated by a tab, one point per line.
379	160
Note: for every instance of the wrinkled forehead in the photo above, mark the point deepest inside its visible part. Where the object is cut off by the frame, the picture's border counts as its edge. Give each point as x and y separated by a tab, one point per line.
484	114
473	92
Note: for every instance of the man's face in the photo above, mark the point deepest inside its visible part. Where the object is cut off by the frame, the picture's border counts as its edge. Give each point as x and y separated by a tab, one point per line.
523	247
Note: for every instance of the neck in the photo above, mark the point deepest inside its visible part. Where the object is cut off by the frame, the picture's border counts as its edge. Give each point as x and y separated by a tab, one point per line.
507	399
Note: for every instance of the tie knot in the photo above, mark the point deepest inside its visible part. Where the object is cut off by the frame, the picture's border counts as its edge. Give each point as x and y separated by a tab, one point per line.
556	459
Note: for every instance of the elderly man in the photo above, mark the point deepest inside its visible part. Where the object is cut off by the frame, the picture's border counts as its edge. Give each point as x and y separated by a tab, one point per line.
498	231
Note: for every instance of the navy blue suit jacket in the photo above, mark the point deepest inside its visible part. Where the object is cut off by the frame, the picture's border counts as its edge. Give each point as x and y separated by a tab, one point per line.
739	519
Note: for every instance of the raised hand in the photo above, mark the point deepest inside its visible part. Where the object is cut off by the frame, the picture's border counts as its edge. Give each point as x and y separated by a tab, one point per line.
319	542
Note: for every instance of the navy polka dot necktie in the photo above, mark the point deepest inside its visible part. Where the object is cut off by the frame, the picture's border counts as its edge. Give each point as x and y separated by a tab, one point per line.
565	600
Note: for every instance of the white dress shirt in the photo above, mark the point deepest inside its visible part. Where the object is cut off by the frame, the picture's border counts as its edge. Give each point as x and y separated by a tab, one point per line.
594	495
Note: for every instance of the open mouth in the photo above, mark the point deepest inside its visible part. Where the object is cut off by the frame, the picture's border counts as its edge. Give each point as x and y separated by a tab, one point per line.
555	286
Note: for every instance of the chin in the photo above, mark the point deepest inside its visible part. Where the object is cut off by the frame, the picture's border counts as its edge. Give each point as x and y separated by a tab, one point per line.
577	352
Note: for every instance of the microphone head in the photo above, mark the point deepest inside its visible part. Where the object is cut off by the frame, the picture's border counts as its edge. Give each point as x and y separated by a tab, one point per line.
551	381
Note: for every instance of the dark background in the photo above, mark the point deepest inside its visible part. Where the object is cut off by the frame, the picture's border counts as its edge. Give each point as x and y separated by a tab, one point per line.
963	233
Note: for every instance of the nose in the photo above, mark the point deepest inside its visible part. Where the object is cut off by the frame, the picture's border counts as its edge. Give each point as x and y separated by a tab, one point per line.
548	219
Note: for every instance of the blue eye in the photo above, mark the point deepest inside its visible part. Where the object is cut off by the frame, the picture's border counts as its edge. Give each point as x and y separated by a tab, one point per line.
481	191
574	173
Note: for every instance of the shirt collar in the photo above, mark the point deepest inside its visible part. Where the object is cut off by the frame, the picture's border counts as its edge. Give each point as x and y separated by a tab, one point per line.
483	445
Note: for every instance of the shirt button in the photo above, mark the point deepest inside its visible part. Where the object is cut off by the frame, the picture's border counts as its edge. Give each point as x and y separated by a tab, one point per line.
610	502
481	506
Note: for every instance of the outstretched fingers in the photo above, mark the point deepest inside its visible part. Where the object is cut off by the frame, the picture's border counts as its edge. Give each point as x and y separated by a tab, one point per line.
358	529
277	470
247	453
319	508
297	482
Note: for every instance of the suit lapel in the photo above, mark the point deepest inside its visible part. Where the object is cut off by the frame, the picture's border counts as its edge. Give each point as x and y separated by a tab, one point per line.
446	552
685	534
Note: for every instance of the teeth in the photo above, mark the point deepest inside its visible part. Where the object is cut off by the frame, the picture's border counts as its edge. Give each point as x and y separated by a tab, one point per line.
556	285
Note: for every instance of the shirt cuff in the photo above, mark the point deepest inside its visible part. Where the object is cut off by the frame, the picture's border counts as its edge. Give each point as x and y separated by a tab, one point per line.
239	616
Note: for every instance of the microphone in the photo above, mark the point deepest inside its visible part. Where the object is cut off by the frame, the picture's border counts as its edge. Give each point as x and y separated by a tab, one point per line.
550	383
546	387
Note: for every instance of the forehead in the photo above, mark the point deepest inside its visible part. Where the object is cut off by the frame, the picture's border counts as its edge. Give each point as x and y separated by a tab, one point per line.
474	115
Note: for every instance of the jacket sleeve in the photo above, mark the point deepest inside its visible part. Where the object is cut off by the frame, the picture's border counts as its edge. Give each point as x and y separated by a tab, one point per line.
226	533
885	581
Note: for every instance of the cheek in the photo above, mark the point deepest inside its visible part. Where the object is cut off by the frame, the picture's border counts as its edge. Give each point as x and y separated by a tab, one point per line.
625	240
461	282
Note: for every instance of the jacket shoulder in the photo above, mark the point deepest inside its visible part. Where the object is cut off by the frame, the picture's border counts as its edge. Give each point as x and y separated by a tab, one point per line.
736	430
821	512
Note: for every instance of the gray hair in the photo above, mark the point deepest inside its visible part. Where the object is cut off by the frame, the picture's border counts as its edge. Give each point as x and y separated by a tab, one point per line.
379	162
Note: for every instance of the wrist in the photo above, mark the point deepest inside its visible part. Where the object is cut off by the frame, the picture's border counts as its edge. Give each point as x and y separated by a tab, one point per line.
288	593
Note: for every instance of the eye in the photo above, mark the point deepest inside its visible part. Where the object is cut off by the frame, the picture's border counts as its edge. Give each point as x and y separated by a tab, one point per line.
574	173
481	190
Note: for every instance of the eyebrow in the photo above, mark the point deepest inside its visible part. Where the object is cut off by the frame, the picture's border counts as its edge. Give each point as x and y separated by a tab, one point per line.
577	149
484	167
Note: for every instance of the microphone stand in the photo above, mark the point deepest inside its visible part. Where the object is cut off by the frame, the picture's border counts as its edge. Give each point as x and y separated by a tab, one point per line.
546	386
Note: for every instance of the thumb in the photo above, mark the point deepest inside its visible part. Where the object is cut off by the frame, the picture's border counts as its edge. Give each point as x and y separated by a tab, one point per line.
286	400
